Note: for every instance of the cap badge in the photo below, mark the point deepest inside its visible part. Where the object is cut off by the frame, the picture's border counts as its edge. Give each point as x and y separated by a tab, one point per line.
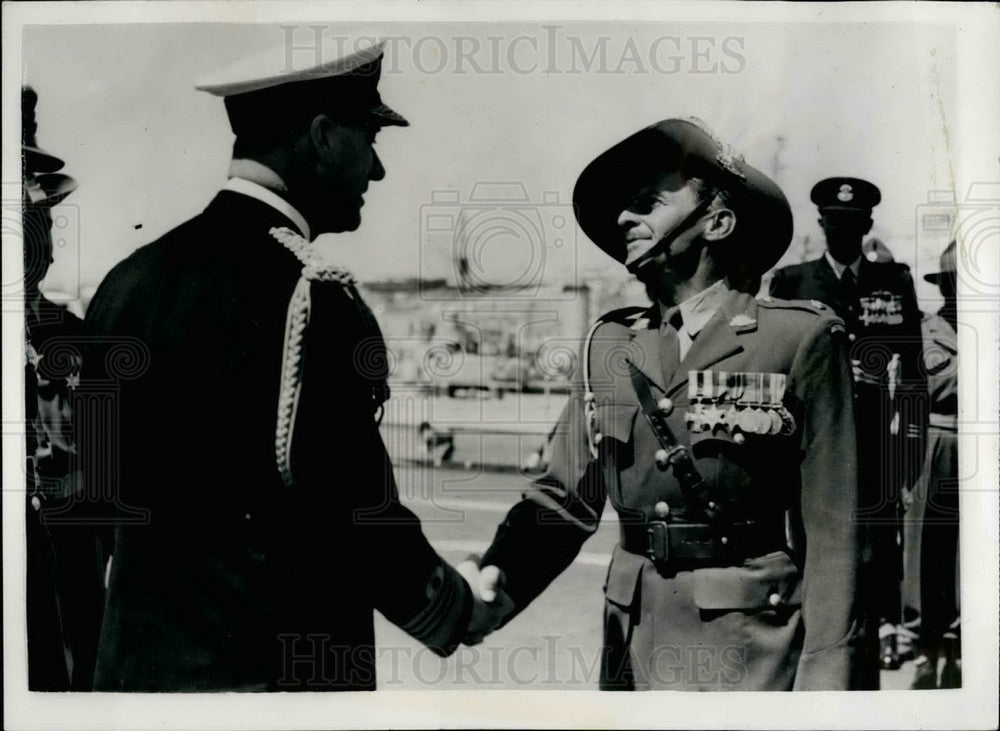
732	162
845	194
726	157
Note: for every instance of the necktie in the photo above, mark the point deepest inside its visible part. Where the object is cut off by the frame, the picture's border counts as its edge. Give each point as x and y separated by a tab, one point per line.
849	283
670	346
849	286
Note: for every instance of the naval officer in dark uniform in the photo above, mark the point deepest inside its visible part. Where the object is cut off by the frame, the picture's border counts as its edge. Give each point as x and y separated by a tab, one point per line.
721	428
876	300
257	510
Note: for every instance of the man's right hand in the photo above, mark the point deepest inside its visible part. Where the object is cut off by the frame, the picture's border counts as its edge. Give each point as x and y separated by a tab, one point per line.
490	603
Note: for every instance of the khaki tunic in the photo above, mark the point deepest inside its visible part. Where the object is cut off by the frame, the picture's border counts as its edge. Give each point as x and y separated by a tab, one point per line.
782	619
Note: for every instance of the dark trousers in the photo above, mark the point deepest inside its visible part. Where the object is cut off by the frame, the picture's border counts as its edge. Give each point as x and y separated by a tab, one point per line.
880	577
65	598
939	540
47	662
616	665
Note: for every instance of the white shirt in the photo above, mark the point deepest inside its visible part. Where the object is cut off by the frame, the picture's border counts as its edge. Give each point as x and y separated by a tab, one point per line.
251	178
839	268
696	311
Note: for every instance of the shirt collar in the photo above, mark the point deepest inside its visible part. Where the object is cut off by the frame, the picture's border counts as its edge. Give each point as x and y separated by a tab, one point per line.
696	311
251	178
839	268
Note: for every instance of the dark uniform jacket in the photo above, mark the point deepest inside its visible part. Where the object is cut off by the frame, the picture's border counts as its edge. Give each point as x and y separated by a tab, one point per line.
883	325
65	562
769	615
882	320
223	577
53	337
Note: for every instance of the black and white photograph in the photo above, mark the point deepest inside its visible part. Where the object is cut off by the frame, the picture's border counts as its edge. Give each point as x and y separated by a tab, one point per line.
501	349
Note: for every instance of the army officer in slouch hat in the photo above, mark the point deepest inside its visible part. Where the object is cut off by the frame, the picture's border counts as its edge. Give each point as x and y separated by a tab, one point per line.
720	427
256	502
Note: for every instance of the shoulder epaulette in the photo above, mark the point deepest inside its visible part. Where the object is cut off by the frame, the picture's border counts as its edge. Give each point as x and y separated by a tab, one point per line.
814	306
889	266
631	317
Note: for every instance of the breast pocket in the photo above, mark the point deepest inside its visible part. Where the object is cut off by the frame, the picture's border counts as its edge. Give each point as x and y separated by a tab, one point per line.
614	423
615	420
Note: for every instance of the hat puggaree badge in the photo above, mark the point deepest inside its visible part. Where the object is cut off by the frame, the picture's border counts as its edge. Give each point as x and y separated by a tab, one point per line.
731	161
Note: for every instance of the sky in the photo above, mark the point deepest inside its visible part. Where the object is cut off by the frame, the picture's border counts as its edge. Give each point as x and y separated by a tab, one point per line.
526	105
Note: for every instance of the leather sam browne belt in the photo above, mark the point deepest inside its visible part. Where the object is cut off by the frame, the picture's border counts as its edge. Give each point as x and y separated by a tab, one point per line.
693	544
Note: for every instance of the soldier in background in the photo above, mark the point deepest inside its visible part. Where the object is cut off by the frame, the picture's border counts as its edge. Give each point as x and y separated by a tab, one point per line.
938	485
65	592
876	300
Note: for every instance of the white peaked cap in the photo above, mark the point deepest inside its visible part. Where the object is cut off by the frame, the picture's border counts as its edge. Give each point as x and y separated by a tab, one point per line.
337	75
287	63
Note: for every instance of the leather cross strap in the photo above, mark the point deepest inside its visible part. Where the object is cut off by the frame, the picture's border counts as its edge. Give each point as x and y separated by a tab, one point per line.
692	485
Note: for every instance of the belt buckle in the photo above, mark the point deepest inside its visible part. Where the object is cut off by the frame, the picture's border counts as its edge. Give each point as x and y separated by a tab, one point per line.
659	540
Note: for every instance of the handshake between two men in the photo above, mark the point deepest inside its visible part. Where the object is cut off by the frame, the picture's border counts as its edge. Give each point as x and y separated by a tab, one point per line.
490	603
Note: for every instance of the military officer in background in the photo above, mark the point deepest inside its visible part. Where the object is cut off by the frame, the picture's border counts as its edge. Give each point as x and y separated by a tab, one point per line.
877	302
720	427
248	418
65	562
938	489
